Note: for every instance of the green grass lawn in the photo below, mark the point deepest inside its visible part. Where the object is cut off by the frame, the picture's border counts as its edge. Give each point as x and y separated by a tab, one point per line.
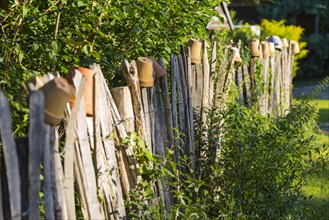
318	185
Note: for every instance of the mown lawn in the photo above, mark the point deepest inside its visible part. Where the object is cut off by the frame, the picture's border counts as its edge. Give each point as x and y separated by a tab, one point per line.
318	184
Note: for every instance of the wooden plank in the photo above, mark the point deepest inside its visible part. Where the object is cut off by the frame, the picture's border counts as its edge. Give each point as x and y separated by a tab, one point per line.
10	156
22	153
122	99
131	76
36	130
57	177
87	164
109	175
240	84
147	131
247	83
206	78
167	106
150	96
173	69
273	99
2	216
212	71
183	111
48	190
79	83
190	121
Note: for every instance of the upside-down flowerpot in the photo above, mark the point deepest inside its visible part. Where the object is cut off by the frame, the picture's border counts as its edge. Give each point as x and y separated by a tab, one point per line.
277	42
145	71
236	55
57	93
271	49
88	94
195	46
295	47
285	43
158	70
254	48
265	49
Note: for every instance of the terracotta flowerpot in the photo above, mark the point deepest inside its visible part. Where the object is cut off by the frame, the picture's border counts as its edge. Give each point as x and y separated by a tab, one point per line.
285	43
236	56
295	47
158	70
195	46
57	93
145	71
265	49
88	94
271	49
254	48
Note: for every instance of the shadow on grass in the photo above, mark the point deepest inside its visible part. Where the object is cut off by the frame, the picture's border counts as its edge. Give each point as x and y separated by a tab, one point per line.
318	187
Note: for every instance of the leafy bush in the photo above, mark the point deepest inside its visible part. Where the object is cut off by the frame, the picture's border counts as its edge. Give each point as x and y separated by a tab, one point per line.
253	170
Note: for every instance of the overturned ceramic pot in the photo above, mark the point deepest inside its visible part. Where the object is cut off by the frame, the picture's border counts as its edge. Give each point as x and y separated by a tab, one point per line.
88	94
236	54
57	93
295	47
158	70
254	48
195	46
271	49
145	71
277	42
265	49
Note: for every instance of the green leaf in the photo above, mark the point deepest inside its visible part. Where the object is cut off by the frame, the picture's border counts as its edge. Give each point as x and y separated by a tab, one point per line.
24	10
54	46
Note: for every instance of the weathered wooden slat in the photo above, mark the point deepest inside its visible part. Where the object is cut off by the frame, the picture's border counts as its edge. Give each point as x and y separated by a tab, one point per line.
131	76
273	99
48	190
36	130
212	71
23	156
11	157
122	99
108	174
147	131
181	109
1	198
69	147
167	106
246	78
190	116
183	101
240	84
87	164
173	69
57	177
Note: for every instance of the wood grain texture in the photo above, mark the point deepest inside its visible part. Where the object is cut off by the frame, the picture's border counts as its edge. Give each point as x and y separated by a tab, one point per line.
36	130
10	155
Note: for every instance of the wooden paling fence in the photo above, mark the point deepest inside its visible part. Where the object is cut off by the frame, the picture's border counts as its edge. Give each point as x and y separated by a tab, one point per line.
89	162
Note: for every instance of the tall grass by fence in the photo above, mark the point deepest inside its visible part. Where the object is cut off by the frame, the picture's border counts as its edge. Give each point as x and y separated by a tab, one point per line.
94	172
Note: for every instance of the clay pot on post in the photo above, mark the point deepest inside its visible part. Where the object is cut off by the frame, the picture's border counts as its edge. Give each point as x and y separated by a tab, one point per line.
158	70
254	48
236	55
88	94
57	93
265	49
195	46
295	47
271	49
145	71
